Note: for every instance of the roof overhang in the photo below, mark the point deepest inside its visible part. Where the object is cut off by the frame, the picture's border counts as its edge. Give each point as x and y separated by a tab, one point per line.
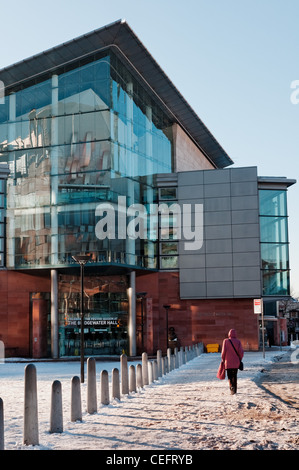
121	38
275	182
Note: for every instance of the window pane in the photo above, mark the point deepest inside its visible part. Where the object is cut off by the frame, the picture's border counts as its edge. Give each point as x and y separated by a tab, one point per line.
169	248
275	256
169	262
168	193
273	202
276	282
274	229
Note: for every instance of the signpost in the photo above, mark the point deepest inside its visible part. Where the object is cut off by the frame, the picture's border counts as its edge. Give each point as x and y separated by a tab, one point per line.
259	310
82	260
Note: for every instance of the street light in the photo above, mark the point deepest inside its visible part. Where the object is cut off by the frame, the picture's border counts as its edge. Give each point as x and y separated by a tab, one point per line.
167	307
141	295
82	260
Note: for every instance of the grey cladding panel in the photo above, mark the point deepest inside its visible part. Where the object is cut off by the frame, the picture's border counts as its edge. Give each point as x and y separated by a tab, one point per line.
190	192
228	263
212	177
247	288
243	174
217	190
245	203
188	178
246	188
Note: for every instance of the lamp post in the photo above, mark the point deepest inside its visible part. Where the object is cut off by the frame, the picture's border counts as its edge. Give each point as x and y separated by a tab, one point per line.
167	307
82	260
141	295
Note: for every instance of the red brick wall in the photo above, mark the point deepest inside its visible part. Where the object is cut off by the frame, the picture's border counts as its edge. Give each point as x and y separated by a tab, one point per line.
206	321
15	289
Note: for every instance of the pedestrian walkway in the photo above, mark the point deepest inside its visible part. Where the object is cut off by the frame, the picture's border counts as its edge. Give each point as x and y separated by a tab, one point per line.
281	380
187	409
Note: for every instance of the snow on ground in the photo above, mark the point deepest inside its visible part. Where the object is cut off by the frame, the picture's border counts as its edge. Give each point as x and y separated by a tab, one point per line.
186	409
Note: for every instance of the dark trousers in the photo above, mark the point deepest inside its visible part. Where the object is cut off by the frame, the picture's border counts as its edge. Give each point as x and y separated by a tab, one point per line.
232	380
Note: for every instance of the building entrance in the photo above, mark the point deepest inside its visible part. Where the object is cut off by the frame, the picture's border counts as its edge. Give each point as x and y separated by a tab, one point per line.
105	319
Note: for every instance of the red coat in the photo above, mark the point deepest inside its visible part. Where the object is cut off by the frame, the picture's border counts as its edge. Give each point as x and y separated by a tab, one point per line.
228	354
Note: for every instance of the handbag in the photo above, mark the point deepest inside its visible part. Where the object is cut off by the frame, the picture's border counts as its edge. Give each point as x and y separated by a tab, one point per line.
221	371
241	365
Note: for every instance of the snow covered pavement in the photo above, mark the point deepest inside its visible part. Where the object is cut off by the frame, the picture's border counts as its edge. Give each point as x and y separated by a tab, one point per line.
186	409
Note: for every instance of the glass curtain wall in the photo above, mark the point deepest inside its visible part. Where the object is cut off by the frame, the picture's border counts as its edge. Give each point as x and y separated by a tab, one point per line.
2	221
81	137
106	315
274	242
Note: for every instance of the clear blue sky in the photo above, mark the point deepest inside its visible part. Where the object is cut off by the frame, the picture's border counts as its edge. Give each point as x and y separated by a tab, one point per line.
233	61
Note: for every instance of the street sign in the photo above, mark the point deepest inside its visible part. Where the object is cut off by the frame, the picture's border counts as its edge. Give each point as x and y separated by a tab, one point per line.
258	310
257	306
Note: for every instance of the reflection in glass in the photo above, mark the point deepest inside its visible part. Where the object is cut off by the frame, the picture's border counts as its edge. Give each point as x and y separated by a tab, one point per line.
274	242
275	256
75	140
273	202
276	282
274	229
106	315
168	262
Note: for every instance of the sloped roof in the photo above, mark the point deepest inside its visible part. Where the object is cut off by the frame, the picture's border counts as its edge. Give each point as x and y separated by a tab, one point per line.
120	37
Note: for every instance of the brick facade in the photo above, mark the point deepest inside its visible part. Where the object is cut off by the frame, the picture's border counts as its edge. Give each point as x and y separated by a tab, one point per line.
19	322
206	321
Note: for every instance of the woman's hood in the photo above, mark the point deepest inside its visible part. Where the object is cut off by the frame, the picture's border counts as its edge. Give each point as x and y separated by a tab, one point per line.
232	333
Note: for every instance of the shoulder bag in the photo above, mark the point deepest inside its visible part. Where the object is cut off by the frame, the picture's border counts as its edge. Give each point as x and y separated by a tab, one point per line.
221	371
241	366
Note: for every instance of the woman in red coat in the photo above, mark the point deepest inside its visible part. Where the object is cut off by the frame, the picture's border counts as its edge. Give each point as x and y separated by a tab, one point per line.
232	358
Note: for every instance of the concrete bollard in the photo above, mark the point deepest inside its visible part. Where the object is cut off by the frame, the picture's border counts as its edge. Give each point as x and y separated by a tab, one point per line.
115	384
163	372
124	374
1	425
169	359
150	372
132	379
180	358
139	375
182	355
176	358
56	418
166	364
155	370
30	436
159	362
76	406
104	388
186	354
92	406
145	380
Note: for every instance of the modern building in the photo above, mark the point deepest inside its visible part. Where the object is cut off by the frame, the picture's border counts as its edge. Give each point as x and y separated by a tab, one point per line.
102	156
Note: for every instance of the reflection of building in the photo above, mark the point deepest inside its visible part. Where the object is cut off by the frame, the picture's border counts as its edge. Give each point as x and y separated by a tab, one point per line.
97	121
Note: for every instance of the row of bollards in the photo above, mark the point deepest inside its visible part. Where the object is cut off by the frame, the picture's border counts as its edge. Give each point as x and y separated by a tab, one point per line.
129	380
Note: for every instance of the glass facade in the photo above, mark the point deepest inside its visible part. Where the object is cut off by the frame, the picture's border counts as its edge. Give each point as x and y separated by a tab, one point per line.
2	221
274	242
168	229
77	139
106	315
